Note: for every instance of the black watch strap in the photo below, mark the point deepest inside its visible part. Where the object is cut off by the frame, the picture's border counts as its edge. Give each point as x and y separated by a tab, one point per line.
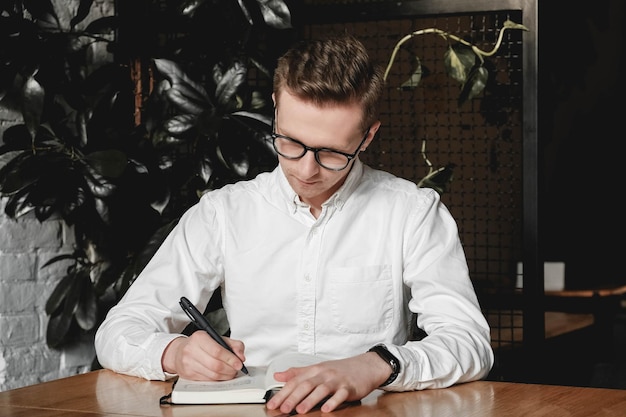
388	357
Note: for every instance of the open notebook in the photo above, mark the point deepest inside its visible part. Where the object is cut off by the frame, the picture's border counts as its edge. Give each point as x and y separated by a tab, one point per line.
251	388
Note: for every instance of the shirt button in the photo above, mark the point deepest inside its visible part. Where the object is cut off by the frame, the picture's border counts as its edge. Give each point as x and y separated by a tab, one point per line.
307	278
306	326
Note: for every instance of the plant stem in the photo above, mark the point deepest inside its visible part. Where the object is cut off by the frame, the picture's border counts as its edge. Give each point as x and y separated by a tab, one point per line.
507	25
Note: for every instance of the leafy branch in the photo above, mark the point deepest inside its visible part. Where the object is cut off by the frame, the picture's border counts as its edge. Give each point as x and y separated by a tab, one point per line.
460	59
464	62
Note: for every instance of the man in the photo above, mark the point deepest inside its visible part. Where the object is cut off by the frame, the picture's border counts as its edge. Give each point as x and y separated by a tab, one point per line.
324	255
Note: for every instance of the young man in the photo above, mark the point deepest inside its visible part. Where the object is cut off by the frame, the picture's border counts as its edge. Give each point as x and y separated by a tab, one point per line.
324	255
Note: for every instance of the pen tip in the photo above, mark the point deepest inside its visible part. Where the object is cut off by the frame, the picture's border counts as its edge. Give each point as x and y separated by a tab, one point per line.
244	369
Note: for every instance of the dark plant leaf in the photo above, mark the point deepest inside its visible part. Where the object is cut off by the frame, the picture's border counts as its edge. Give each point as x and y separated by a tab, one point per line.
161	139
59	324
241	166
228	83
209	123
16	137
155	242
219	320
7	160
244	116
509	24
110	163
160	203
263	68
15	174
125	280
476	82
87	308
189	7
74	293
438	180
108	275
255	127
58	328
413	81
459	59
182	102
103	26
18	204
98	185
245	12
180	124
41	9
83	11
32	106
59	293
58	258
276	13
205	169
43	212
102	208
174	73
239	163
257	101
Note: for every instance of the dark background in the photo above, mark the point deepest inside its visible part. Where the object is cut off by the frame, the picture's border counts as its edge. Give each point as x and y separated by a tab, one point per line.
581	130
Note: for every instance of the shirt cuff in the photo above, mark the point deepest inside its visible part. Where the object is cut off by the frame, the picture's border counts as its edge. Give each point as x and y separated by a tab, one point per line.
155	354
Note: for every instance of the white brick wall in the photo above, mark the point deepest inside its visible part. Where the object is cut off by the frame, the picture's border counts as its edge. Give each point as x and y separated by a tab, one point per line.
25	245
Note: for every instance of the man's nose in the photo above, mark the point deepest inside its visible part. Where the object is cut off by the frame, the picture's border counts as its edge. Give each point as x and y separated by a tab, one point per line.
308	164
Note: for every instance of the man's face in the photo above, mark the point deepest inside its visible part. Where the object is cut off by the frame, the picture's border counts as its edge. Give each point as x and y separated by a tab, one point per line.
335	127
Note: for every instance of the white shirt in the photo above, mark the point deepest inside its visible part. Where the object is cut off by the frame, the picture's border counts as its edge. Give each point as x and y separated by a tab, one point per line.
381	249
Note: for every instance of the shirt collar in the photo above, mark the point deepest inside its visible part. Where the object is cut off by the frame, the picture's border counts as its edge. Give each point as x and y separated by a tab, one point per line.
338	198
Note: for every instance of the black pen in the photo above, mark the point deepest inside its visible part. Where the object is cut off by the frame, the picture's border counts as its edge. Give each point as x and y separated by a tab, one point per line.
199	320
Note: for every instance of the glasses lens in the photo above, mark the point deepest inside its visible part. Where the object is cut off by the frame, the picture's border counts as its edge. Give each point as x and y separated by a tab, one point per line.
291	149
288	148
332	160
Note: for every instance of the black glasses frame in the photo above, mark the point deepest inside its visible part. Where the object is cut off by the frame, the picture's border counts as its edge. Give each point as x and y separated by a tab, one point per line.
305	149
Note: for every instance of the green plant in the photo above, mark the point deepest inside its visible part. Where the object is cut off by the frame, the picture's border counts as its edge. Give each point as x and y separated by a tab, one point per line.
122	182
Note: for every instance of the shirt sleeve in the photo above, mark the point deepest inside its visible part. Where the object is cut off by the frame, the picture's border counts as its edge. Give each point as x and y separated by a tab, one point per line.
136	331
457	347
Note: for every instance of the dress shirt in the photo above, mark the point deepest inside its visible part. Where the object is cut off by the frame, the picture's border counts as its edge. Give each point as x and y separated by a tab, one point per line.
381	250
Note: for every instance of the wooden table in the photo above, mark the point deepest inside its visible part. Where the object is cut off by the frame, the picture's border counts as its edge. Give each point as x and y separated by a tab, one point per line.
603	303
564	312
104	393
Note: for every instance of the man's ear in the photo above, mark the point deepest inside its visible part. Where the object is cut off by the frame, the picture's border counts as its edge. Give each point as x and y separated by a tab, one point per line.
274	99
373	129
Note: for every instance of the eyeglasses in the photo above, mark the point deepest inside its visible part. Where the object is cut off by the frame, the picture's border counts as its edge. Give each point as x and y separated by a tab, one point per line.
327	158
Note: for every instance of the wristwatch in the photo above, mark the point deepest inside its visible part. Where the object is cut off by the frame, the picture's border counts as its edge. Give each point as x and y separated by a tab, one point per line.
388	357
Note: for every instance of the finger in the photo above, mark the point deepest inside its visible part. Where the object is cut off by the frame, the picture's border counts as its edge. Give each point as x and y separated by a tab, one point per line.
213	349
212	360
306	395
278	398
315	399
331	404
237	346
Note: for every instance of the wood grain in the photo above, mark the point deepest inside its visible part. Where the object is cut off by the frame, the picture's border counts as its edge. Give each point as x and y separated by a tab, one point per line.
104	393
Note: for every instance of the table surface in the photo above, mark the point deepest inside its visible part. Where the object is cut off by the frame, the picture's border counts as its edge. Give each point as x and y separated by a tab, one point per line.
104	393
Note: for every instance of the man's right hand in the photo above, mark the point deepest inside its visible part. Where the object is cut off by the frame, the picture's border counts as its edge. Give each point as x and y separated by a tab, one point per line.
201	358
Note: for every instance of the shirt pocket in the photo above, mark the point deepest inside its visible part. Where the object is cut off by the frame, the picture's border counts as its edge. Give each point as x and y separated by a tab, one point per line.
361	298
